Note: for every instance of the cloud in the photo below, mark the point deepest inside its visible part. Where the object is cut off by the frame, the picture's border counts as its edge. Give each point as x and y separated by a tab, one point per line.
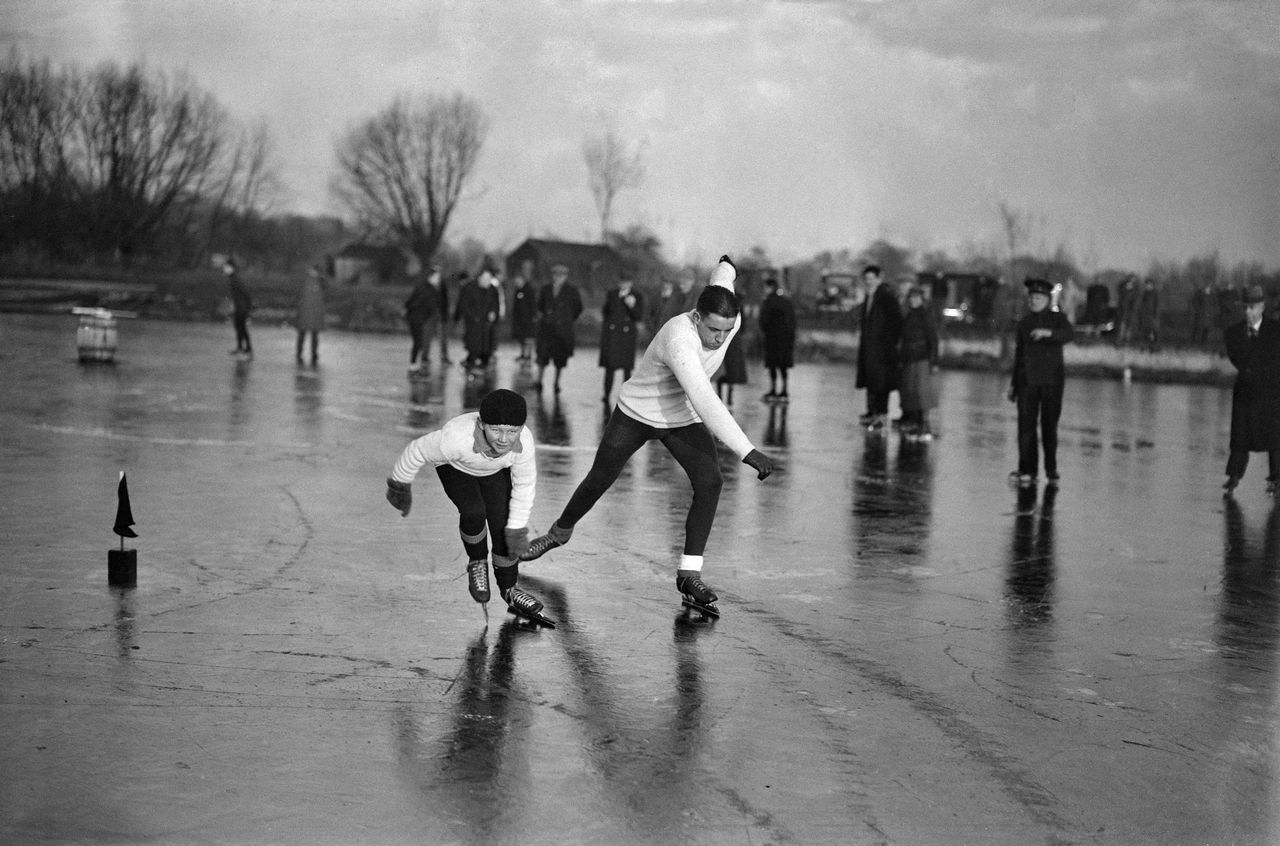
1135	129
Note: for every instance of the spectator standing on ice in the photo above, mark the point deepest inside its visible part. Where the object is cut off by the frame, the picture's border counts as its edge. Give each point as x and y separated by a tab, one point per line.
559	306
1148	322
881	330
619	321
1201	306
778	331
310	317
241	305
733	371
477	309
524	313
1253	346
1127	300
422	310
485	461
918	392
1039	377
682	300
670	399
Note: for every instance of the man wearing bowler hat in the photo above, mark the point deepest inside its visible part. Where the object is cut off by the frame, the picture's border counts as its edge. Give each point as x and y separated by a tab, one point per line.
1038	380
1253	345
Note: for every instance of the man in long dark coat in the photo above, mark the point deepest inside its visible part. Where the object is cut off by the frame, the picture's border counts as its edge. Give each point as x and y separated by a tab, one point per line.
559	305
778	329
878	347
1253	345
623	310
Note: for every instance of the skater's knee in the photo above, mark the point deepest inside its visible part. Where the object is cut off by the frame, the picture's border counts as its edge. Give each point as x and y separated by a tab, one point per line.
473	528
708	482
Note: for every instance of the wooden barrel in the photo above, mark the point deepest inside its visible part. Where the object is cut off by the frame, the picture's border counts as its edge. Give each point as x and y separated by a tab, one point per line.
96	337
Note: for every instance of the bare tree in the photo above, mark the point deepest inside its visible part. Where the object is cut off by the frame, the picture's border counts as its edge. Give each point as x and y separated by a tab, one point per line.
35	120
145	145
402	171
1016	226
612	166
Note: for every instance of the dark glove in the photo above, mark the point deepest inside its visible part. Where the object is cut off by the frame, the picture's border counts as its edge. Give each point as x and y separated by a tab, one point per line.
761	463
400	495
1013	394
517	542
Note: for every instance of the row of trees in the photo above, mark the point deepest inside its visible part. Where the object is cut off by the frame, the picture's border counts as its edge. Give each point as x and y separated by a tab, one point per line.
122	164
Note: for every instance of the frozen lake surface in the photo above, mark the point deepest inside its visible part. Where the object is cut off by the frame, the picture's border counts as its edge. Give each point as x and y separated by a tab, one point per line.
911	652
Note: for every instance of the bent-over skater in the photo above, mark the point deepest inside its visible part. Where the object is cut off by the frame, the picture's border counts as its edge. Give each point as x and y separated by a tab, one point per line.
670	398
485	461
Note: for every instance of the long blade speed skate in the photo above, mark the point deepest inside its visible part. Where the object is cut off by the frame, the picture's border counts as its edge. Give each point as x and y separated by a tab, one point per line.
524	606
697	595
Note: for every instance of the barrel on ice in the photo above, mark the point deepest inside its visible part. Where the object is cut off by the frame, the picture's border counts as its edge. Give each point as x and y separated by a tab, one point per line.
96	338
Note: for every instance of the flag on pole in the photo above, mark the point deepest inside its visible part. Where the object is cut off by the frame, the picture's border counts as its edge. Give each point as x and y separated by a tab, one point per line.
124	515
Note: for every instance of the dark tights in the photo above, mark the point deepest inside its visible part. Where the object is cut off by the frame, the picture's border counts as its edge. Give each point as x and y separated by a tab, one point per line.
482	503
692	447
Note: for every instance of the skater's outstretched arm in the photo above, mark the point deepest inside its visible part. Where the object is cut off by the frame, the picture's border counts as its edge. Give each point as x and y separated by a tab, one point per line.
687	367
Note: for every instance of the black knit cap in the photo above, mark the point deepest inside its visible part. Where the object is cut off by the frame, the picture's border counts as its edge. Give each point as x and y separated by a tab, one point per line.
503	408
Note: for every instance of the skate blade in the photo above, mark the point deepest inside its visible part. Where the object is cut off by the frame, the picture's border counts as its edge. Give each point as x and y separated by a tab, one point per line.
706	608
537	619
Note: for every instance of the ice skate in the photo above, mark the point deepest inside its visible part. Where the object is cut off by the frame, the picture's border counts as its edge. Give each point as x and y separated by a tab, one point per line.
697	595
524	605
539	547
478	579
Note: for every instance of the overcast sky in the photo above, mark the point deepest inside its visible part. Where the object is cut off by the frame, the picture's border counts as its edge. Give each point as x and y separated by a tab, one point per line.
1129	131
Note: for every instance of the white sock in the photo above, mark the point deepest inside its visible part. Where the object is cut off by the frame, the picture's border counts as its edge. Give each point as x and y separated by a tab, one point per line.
691	562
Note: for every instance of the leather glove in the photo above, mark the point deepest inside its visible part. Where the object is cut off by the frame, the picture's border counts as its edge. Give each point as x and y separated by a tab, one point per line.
517	542
761	463
400	495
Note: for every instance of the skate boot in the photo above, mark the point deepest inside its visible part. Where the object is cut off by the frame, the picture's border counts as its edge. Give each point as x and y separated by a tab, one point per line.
697	595
478	579
543	544
524	605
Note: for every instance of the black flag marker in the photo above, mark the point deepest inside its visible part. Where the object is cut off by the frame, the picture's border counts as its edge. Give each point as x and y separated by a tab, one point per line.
124	514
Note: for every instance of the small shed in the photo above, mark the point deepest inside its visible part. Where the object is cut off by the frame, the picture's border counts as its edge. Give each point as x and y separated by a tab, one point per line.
370	264
594	268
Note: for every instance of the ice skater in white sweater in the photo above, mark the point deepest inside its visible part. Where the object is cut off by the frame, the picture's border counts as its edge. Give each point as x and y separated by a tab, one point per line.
670	398
485	460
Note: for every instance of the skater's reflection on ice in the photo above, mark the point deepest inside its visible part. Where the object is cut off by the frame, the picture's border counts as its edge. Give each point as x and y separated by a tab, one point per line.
1248	625
308	399
238	407
553	425
776	434
478	768
1029	585
1247	637
654	741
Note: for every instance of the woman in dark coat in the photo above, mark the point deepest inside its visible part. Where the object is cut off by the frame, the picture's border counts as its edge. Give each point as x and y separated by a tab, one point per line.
778	329
623	308
478	310
559	306
1253	345
918	392
524	314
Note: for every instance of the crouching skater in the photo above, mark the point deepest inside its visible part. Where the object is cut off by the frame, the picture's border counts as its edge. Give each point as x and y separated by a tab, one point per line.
485	461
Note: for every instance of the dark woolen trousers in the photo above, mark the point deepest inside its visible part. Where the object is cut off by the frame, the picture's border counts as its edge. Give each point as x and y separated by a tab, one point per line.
483	503
693	448
1039	407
